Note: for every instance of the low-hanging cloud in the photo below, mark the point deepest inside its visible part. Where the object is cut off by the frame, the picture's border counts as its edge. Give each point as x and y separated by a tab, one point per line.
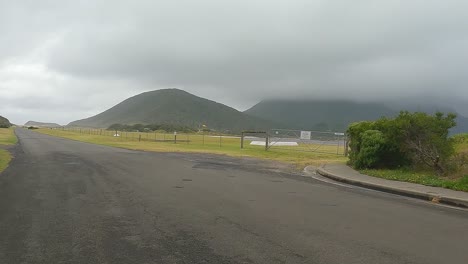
82	57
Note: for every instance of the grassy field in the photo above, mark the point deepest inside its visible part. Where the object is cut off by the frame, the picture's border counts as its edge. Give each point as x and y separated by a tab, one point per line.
226	145
7	137
458	181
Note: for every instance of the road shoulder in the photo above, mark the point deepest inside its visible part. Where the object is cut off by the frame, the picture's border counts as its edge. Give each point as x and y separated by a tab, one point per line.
345	174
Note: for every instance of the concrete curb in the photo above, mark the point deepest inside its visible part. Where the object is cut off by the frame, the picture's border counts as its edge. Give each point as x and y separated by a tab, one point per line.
384	188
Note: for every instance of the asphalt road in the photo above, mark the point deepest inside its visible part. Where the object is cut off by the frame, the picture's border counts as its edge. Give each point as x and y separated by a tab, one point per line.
63	201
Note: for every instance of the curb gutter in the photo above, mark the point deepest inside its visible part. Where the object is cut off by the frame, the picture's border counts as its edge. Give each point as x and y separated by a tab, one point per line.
384	188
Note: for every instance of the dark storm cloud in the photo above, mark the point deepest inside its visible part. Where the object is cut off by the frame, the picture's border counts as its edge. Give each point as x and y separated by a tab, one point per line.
239	52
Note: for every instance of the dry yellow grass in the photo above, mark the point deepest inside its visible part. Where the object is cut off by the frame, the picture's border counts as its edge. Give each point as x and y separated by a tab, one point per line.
199	144
7	137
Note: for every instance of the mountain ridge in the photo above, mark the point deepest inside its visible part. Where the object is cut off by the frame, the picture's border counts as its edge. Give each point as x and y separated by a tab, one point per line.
178	107
337	114
174	106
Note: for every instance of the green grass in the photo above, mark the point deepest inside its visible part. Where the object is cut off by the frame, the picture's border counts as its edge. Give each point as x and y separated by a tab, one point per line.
199	144
461	142
5	158
7	137
425	178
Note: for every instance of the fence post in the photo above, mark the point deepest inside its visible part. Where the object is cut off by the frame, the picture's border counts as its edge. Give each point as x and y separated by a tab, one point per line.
139	138
346	145
203	138
266	142
242	140
337	146
220	140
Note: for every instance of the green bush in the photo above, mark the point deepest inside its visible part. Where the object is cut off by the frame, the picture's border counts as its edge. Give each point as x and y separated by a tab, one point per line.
410	139
371	149
354	133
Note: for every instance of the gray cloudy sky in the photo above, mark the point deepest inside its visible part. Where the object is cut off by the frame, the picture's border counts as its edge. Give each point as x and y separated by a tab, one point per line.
65	60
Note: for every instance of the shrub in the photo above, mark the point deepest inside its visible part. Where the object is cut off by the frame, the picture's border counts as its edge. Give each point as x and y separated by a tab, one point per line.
354	133
416	139
371	149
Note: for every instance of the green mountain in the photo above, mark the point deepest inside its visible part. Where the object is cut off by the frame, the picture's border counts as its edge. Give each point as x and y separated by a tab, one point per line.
173	106
335	115
4	123
41	124
318	115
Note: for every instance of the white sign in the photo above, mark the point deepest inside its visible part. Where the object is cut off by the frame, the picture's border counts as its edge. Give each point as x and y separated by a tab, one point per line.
306	135
175	133
339	134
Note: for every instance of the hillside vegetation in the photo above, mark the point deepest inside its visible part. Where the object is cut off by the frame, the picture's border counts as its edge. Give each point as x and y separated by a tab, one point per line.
318	115
335	115
173	106
4	123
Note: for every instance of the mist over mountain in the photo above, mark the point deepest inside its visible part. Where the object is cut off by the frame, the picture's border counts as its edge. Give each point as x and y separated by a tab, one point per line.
177	107
318	115
336	115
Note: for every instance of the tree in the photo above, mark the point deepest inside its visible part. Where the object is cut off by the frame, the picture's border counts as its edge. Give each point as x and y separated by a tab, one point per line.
425	138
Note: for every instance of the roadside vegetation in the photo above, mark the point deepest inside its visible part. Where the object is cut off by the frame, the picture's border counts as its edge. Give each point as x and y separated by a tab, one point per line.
4	123
7	138
151	127
195	142
413	147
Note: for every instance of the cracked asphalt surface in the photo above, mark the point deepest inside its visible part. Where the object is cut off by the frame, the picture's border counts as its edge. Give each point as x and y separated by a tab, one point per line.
63	201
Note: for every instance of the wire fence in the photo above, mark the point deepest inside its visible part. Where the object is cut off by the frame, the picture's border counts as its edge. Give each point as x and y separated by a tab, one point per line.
273	140
201	138
314	141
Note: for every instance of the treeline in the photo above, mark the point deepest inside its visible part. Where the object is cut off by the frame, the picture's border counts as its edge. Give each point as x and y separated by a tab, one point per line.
151	127
4	123
415	140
